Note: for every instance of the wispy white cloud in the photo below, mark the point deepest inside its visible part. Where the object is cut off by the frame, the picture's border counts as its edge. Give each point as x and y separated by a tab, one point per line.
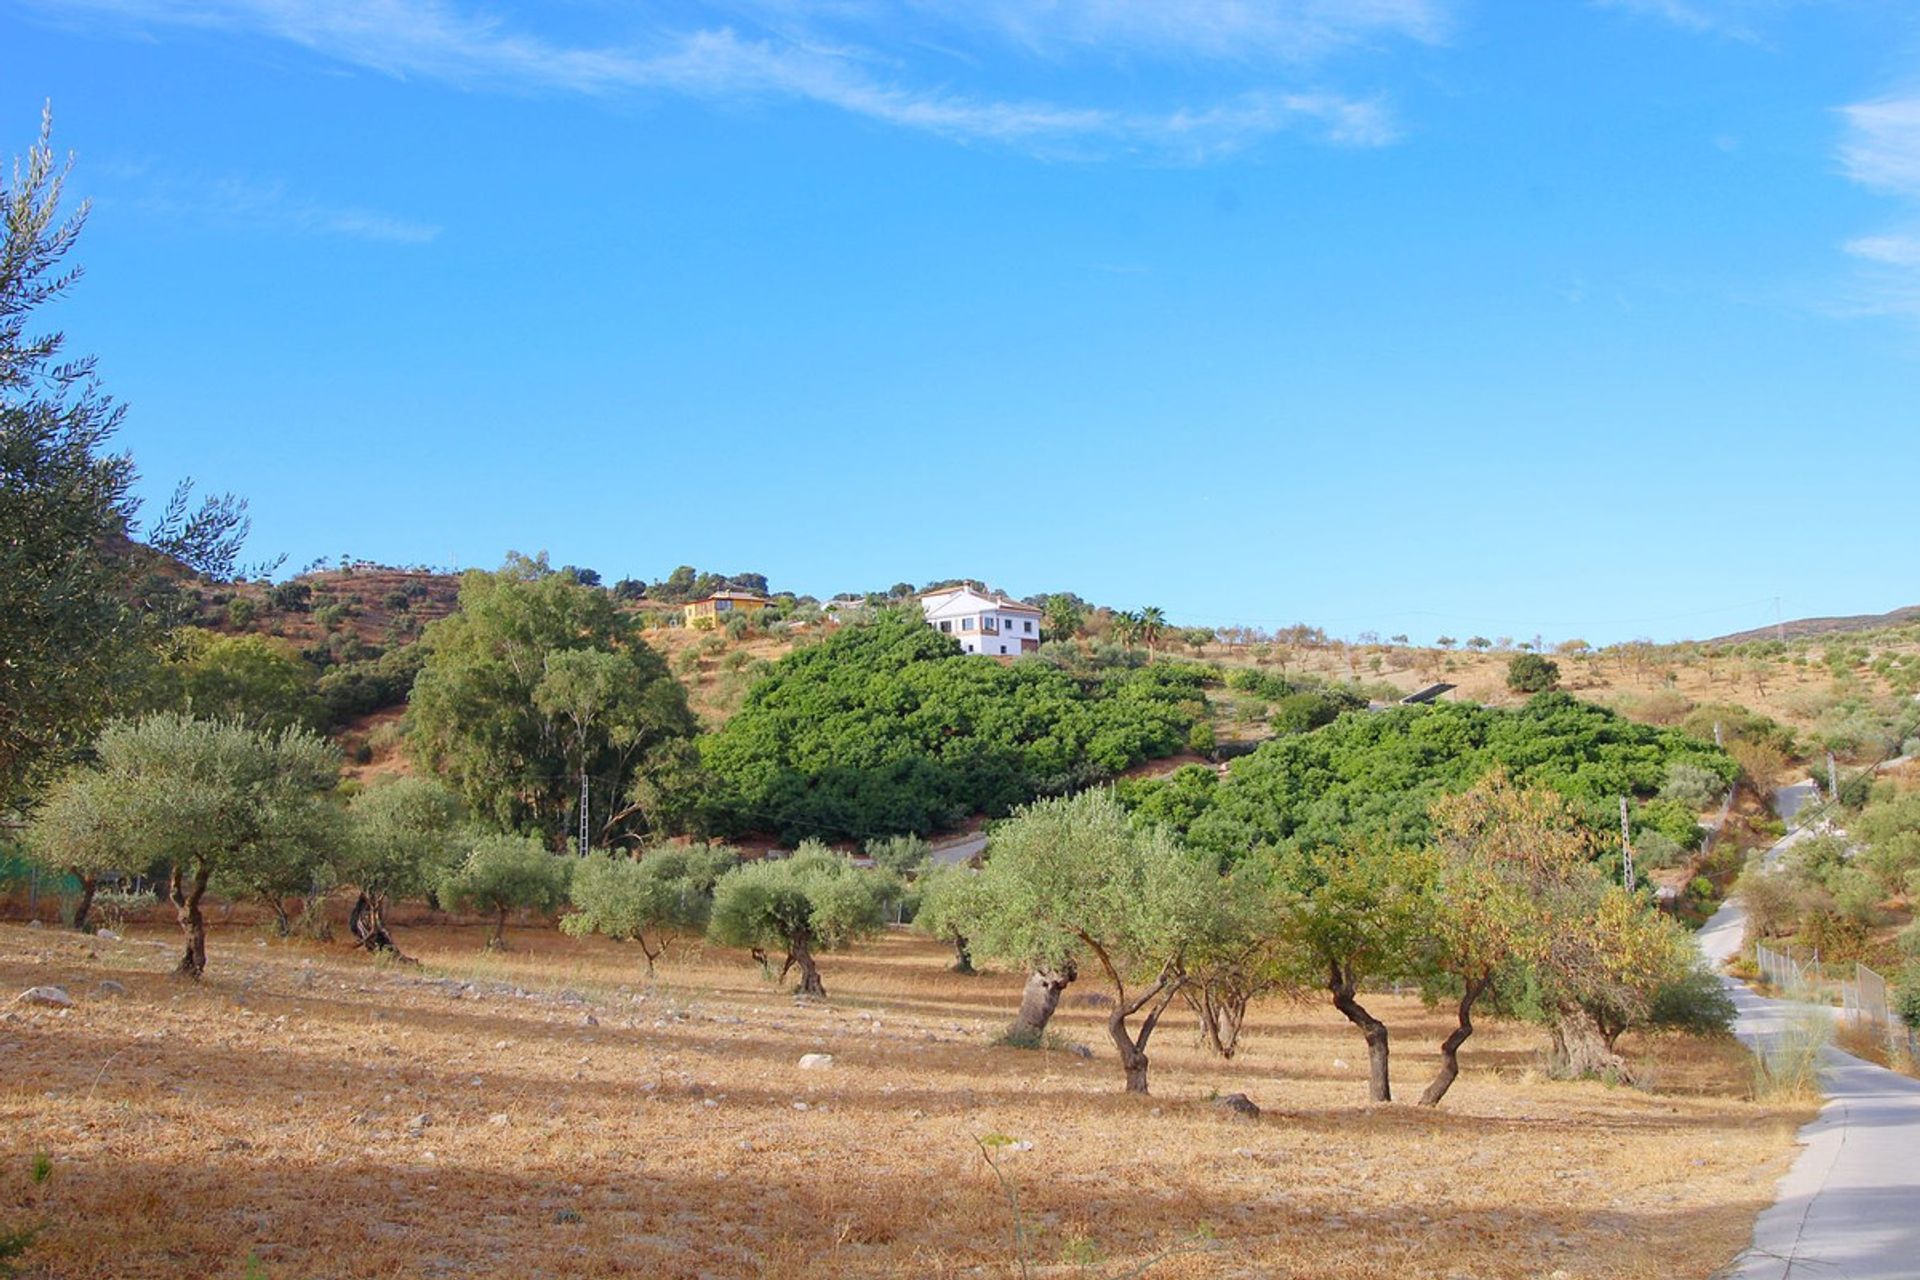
1880	150
436	39
1234	30
250	204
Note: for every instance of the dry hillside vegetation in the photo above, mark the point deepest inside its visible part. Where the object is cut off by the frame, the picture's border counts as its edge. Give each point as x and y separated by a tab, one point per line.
545	1112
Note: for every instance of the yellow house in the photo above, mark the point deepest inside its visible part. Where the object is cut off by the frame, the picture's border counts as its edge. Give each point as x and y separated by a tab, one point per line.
721	605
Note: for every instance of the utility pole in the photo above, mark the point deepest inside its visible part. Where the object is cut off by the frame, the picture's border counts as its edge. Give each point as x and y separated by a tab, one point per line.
1716	733
1626	845
583	808
1833	779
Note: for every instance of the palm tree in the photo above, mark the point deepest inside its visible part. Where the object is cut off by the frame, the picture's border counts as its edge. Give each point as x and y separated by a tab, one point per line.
1125	627
1151	620
1063	618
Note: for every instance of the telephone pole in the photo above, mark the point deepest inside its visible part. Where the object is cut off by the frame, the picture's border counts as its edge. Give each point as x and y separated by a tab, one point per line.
583	809
1626	845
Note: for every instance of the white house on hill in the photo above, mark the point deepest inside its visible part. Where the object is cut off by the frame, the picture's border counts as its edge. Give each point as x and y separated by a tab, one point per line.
993	625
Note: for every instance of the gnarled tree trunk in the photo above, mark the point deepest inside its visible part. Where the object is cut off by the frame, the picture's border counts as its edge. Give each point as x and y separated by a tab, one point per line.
1343	986
368	923
1450	1047
962	957
498	942
1580	1046
85	906
185	895
800	954
1133	1049
1037	1002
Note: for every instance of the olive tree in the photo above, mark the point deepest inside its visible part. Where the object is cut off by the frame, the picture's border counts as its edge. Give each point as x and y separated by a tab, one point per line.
502	873
949	910
403	840
628	899
220	804
1507	858
815	900
1353	914
80	830
1071	882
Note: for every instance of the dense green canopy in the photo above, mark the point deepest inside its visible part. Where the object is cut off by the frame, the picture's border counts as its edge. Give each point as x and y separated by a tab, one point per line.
887	727
1380	772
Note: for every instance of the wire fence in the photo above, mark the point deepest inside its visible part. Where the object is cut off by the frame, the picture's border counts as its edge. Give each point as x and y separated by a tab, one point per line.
1796	979
1866	1001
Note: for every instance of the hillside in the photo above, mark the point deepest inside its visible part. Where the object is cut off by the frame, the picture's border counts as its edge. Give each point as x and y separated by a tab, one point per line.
1800	628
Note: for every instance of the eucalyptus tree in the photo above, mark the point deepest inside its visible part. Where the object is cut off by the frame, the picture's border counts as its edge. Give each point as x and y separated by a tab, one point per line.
535	681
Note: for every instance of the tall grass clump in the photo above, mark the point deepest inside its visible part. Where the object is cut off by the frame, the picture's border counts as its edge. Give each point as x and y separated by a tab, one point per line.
1787	1065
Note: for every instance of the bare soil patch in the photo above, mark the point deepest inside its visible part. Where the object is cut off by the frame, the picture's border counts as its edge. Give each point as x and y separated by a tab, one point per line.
547	1112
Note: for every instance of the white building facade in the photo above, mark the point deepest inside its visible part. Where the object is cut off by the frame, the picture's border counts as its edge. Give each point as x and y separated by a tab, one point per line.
982	623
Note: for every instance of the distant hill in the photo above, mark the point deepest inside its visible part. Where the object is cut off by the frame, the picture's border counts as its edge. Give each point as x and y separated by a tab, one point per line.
1825	626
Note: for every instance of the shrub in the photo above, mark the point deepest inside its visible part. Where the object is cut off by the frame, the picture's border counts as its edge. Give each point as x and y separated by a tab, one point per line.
1696	1003
240	612
1692	785
1531	673
289	597
1906	995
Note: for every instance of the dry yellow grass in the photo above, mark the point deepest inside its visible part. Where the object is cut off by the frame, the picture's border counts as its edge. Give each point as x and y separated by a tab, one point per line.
583	1122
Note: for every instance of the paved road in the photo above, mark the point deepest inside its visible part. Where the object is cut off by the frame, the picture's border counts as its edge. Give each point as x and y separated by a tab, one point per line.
1849	1208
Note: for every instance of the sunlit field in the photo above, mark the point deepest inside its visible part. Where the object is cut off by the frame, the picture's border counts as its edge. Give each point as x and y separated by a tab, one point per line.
308	1112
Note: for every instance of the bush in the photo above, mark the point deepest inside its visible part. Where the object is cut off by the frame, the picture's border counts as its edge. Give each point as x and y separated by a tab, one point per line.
1692	785
1696	1003
1906	995
289	597
240	612
1531	673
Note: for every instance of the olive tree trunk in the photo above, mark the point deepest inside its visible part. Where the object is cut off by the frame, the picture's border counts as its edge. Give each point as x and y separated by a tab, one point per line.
1342	985
1037	1003
1450	1047
498	942
185	895
85	906
962	957
1580	1046
1133	1048
368	924
800	954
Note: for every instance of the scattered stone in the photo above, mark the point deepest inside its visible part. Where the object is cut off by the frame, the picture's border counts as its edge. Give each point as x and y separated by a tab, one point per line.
56	997
499	1120
107	934
233	1144
799	1106
815	1061
109	988
708	1102
1080	1050
567	1217
588	1020
1239	1104
35	924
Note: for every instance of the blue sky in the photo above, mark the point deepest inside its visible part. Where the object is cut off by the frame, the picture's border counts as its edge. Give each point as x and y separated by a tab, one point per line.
1423	316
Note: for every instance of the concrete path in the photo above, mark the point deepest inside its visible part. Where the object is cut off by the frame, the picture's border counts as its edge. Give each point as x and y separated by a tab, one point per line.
1849	1208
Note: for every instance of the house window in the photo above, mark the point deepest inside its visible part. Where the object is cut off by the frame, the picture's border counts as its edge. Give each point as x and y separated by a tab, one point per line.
966	624
1003	648
1029	626
946	626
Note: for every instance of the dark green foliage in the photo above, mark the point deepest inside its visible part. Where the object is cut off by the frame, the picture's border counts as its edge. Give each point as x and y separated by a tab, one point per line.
289	597
1531	673
1906	997
886	728
1695	1002
1378	773
359	688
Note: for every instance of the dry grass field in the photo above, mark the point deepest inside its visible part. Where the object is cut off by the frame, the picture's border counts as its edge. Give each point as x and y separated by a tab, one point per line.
550	1112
